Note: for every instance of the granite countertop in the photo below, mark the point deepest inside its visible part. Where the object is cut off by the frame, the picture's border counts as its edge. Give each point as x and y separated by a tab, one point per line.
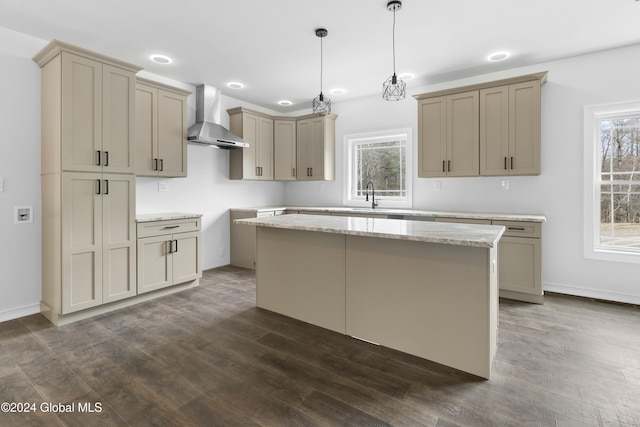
485	236
165	216
403	212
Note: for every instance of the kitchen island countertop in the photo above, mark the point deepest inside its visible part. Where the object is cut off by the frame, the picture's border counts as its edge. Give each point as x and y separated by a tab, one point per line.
486	236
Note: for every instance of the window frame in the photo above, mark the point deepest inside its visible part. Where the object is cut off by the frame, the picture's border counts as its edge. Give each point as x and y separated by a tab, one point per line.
350	140
593	182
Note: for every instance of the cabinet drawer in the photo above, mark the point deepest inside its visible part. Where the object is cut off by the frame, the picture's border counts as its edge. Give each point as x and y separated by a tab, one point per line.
521	228
464	220
161	228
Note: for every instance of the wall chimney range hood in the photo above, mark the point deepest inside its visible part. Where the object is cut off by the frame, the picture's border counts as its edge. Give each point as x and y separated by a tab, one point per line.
207	130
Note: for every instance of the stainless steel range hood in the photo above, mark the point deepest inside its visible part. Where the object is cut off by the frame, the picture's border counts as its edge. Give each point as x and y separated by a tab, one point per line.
207	130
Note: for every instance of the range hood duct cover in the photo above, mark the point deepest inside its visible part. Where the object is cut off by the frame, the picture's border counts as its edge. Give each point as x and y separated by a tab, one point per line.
207	130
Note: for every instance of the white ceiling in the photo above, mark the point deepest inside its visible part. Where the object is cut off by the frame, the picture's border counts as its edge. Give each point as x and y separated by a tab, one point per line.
271	46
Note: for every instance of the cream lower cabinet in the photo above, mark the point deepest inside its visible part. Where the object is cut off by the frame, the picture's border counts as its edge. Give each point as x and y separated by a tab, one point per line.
169	253
89	254
519	258
161	130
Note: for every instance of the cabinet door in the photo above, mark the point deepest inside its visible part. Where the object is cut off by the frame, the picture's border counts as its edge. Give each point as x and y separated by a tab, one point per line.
285	150
494	131
524	128
81	113
118	120
316	151
463	145
81	241
250	126
186	257
303	136
118	237
172	136
146	130
155	264
264	149
519	259
432	137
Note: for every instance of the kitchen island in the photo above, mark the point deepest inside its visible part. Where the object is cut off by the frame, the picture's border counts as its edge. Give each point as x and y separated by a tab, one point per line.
425	288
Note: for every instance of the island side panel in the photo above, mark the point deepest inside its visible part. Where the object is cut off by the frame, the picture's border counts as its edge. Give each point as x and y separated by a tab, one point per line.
435	301
301	274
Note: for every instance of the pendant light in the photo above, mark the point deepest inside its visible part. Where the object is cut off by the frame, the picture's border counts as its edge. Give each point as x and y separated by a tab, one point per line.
321	104
394	89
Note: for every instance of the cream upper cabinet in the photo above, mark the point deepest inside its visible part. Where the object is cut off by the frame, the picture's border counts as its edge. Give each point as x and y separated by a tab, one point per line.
256	161
97	115
510	129
486	129
98	246
284	149
161	130
316	148
448	135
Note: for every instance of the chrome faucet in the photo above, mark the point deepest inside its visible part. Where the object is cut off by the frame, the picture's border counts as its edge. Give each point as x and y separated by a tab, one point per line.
373	195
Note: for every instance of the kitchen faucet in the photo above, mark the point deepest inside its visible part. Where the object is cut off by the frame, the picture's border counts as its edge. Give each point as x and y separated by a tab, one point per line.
373	195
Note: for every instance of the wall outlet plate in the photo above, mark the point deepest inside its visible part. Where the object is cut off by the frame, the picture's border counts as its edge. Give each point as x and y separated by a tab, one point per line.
163	186
505	184
23	214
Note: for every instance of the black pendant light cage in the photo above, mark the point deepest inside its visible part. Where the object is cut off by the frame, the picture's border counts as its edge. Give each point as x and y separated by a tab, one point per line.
394	89
321	104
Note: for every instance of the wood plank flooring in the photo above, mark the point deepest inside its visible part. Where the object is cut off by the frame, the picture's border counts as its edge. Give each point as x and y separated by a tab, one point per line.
209	357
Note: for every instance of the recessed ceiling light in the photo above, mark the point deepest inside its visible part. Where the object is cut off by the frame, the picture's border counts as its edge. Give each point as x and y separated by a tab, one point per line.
337	91
406	76
161	59
285	103
498	56
235	85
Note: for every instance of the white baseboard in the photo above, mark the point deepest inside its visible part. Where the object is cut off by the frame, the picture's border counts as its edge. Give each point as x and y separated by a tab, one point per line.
16	313
591	293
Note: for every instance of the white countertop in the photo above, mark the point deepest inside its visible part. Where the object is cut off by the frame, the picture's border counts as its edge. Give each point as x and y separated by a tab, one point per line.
486	236
165	216
404	212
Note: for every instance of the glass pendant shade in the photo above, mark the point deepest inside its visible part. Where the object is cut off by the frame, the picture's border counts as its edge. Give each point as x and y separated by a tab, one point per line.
394	89
321	104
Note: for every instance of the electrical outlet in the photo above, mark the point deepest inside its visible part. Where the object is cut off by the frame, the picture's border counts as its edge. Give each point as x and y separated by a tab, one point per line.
223	251
23	214
163	186
437	185
505	184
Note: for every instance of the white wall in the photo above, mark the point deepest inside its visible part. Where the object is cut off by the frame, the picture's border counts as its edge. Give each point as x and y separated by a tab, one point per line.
206	190
605	77
20	172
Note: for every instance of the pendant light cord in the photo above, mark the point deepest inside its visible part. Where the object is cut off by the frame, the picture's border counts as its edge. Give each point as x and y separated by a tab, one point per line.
321	64
393	38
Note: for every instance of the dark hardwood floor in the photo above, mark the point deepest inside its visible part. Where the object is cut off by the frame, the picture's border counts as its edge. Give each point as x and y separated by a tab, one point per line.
207	356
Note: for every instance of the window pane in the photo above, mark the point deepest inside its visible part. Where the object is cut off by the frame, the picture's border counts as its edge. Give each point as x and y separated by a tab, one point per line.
620	182
382	163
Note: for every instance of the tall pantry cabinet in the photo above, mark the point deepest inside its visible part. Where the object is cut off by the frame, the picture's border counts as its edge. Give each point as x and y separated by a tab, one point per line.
88	179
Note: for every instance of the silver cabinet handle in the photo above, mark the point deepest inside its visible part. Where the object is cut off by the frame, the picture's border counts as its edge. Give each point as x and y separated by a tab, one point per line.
443	170
505	163
99	186
448	165
170	227
106	158
161	165
106	186
98	157
511	162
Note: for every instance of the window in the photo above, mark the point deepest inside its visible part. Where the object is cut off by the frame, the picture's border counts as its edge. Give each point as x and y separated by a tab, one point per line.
383	158
612	182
